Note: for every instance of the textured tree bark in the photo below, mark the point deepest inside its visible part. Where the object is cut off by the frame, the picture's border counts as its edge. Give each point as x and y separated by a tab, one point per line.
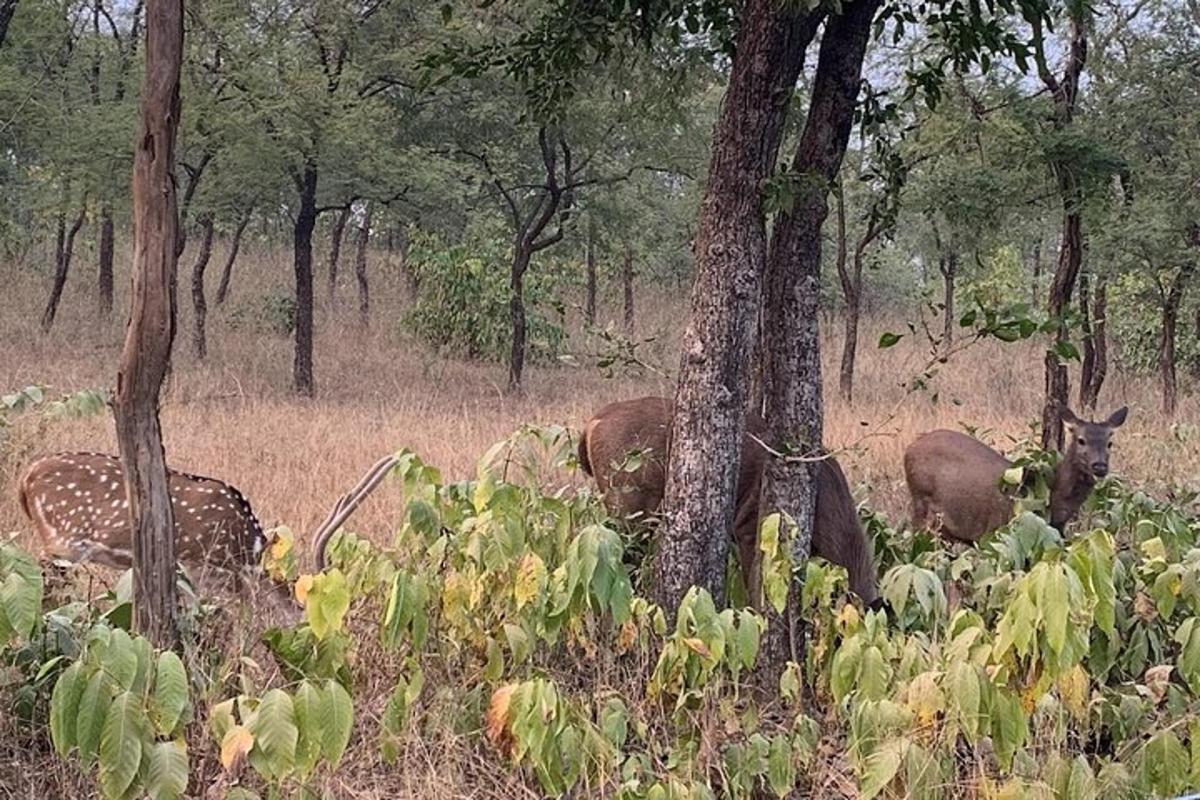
7	9
730	248
1036	286
1166	349
194	175
235	246
851	281
627	284
107	247
151	329
199	303
302	231
589	300
62	267
793	397
949	270
1100	338
360	267
335	248
516	312
1087	363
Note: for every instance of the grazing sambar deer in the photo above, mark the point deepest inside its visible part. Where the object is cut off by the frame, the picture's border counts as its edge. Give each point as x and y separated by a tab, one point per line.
954	479
632	487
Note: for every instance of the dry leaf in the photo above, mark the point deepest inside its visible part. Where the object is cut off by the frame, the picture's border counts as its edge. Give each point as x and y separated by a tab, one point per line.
235	747
1157	679
499	717
303	585
1143	606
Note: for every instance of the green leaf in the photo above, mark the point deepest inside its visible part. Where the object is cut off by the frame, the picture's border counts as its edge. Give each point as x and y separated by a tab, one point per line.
1165	764
21	598
781	771
614	722
120	659
327	603
889	339
93	709
337	721
1055	608
167	773
64	708
307	706
275	734
170	698
126	729
881	767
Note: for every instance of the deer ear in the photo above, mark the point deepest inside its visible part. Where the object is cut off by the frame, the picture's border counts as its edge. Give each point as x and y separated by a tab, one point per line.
1118	417
1068	416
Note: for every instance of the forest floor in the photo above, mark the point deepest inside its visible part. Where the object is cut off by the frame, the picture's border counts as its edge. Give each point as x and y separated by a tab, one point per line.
379	390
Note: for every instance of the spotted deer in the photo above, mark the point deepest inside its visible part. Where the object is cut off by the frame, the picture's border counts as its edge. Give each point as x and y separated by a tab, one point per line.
636	487
955	480
79	508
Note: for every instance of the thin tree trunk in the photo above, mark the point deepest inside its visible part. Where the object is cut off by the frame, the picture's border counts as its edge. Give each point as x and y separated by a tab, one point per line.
151	329
850	295
794	402
199	303
1100	338
731	252
62	268
7	9
627	283
516	311
335	248
589	300
411	282
1087	364
302	231
107	247
949	270
1036	288
234	247
189	193
1166	350
360	267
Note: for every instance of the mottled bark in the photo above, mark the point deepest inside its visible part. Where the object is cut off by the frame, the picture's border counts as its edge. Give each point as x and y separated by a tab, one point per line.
360	267
64	247
730	250
516	312
107	248
151	329
302	232
235	247
199	302
793	398
627	285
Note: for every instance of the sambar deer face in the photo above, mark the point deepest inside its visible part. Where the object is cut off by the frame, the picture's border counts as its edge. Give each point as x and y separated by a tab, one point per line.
1089	443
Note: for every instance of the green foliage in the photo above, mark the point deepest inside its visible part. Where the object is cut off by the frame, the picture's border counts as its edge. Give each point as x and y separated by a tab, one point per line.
270	314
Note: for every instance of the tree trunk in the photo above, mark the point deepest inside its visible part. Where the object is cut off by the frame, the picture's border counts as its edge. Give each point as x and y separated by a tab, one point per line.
1036	289
516	311
1100	338
62	268
949	270
335	248
234	247
1087	363
7	9
105	282
306	220
794	405
627	283
411	281
199	303
151	330
189	193
850	295
360	267
1166	349
730	251
589	300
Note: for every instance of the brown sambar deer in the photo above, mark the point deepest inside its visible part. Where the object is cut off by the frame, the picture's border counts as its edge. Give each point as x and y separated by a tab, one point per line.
632	487
954	479
79	508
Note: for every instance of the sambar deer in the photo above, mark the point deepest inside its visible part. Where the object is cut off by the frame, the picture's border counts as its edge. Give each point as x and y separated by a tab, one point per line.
955	480
643	426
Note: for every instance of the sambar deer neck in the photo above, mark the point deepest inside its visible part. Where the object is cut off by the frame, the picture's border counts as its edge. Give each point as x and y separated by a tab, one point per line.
1084	461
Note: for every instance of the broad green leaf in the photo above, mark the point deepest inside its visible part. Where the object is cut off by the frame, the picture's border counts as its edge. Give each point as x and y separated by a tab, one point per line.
327	603
93	709
126	731
167	773
614	722
120	659
337	721
1054	607
275	733
64	708
781	771
170	698
889	339
310	726
881	767
22	600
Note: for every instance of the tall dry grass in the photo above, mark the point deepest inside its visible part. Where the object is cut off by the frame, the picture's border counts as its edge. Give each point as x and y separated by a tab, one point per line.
379	390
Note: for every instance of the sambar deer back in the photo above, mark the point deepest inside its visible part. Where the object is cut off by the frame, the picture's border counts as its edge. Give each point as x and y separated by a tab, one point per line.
954	479
79	508
642	426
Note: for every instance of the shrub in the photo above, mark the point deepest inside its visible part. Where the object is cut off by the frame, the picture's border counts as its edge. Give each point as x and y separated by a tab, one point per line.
273	313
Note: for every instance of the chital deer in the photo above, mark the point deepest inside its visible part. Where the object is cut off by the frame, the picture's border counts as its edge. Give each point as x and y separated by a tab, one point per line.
954	480
643	425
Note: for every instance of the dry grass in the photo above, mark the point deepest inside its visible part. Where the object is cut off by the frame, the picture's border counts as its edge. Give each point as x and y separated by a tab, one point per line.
235	418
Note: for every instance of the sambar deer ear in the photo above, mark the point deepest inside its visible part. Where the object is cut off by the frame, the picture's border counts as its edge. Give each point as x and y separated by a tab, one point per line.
1068	416
1118	417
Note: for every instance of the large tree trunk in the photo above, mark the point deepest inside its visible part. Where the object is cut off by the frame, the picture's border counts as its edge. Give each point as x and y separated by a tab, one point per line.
234	247
107	247
627	284
1166	349
589	300
151	330
306	220
360	267
794	405
335	248
62	268
949	269
730	249
1070	255
516	311
199	303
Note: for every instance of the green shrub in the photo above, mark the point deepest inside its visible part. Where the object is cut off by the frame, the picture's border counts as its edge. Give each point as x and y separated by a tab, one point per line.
273	313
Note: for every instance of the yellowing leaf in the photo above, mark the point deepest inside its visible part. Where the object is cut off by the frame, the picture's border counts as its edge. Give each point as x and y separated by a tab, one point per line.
499	718
848	618
303	587
698	647
281	545
627	637
1013	476
531	578
1073	689
925	698
235	747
